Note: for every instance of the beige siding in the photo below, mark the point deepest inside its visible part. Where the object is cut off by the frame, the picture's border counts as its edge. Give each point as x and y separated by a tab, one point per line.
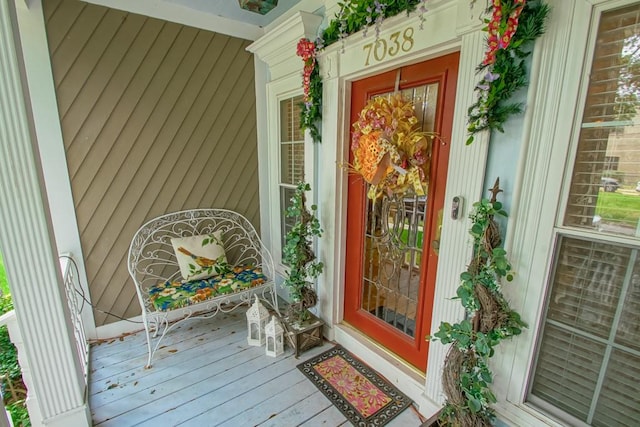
156	117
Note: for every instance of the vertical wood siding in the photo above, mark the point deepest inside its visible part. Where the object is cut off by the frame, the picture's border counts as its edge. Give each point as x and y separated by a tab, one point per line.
156	117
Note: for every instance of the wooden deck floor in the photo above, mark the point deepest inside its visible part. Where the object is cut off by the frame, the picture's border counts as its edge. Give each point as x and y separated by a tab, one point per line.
205	374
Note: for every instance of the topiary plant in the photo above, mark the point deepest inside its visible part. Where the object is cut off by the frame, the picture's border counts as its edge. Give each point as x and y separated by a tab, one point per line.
299	255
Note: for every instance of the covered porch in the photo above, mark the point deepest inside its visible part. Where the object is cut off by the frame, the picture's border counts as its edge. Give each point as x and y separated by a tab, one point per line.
207	374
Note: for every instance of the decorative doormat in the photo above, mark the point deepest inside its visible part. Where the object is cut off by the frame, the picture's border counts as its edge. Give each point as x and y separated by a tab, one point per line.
355	389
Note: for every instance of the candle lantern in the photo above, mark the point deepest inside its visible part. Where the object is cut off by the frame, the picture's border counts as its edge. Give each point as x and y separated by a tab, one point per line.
257	317
274	335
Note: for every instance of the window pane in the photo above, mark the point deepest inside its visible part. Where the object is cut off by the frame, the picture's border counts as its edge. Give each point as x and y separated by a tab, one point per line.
628	333
586	285
592	313
292	163
605	187
290	119
287	223
291	158
620	398
567	371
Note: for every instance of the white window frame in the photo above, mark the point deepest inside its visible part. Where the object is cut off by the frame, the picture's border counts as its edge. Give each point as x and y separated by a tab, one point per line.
278	91
552	124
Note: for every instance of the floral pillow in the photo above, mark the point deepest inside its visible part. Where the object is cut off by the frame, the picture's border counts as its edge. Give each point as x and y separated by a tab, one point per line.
200	257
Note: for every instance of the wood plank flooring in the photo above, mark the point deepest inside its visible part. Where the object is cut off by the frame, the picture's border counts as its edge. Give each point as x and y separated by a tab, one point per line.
205	374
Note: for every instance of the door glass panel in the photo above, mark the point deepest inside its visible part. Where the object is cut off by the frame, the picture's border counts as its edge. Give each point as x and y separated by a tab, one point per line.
393	244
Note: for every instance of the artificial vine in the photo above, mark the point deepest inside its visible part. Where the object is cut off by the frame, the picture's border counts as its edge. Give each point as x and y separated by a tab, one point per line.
466	374
514	24
298	254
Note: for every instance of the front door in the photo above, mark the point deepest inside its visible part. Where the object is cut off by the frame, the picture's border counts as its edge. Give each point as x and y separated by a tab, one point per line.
392	242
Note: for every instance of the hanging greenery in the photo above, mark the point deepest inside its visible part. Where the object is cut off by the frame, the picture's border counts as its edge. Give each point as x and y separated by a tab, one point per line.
312	89
514	24
352	17
466	375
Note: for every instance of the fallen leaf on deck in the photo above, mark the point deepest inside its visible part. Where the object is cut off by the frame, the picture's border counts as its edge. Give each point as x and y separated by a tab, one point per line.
135	384
172	351
114	385
153	391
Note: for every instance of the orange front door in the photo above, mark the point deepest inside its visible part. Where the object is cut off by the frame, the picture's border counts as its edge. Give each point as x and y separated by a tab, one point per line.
392	242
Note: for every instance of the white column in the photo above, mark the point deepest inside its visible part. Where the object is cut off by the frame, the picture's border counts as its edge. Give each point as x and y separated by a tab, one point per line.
27	243
465	178
44	110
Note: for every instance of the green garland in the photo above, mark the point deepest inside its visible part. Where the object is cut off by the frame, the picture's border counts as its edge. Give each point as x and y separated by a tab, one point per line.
351	18
489	321
507	72
503	76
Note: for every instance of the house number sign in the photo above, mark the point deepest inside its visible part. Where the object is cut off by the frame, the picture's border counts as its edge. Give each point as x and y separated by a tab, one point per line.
398	41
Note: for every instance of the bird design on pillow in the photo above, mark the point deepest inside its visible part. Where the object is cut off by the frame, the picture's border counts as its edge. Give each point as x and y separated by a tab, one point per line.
205	265
200	260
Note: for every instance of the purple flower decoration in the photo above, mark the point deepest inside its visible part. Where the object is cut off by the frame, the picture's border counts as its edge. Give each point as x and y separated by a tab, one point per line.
379	6
483	86
491	77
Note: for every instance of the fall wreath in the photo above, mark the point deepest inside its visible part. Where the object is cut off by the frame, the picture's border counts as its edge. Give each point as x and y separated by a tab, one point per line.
389	151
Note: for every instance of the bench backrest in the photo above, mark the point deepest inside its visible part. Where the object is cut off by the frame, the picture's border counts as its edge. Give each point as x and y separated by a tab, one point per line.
152	258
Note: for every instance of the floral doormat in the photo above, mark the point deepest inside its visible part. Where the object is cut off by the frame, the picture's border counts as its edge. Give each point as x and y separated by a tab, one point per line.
355	389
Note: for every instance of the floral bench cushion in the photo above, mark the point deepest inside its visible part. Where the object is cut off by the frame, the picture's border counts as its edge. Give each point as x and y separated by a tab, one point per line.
169	295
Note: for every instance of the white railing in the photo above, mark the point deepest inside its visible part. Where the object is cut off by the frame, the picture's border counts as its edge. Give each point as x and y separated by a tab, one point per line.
10	320
76	304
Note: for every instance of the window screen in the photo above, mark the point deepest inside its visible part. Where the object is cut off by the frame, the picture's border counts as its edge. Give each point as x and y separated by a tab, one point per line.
588	359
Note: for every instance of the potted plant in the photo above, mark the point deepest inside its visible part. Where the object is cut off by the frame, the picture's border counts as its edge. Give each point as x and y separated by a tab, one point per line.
299	256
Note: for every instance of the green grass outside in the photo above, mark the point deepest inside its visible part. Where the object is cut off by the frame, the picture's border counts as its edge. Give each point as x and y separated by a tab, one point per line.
9	367
619	207
4	285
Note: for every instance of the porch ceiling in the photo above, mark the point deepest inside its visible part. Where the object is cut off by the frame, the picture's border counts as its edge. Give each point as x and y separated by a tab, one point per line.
230	9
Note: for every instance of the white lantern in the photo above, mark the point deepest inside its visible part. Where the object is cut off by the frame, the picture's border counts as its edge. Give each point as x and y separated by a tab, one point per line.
275	335
257	317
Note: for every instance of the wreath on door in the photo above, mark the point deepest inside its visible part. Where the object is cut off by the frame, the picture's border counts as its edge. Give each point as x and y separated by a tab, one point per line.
389	150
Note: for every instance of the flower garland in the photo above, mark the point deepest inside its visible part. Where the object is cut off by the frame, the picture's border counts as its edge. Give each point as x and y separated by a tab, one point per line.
513	25
390	153
351	18
312	87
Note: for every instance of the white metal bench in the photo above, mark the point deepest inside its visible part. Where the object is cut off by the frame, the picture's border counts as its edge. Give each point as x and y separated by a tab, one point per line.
164	294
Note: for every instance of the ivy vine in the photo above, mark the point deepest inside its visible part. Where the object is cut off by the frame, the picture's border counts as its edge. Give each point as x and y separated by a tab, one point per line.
298	253
467	377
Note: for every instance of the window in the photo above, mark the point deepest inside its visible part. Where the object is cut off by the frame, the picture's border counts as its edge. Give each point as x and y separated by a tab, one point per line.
588	358
291	158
